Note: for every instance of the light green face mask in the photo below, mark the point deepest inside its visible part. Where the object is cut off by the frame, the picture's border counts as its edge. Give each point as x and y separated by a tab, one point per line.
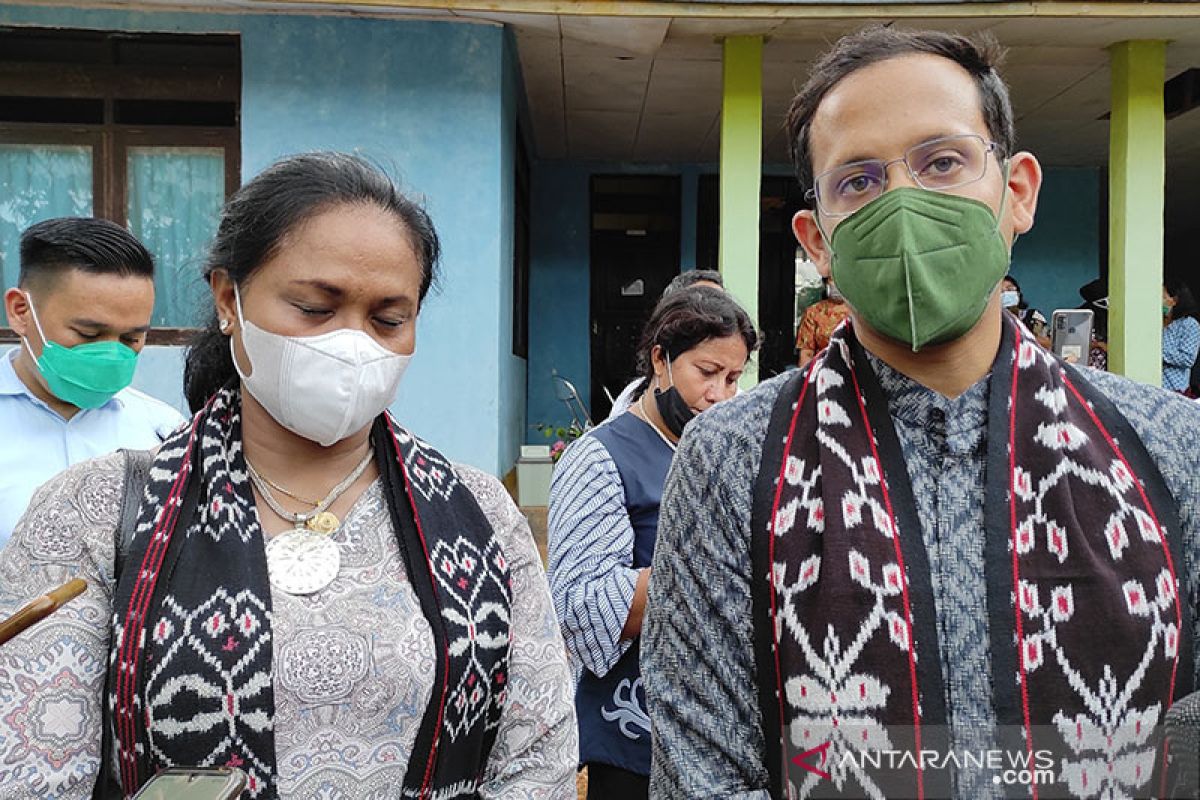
86	375
919	266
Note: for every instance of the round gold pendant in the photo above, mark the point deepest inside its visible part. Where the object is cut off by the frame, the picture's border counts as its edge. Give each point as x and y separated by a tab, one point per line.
323	523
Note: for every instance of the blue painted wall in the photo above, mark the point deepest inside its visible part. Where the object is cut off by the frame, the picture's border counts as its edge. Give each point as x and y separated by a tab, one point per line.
1060	254
434	103
513	372
559	282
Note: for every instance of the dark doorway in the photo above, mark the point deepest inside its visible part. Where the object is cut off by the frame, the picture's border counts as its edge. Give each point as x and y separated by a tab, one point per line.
781	198
634	255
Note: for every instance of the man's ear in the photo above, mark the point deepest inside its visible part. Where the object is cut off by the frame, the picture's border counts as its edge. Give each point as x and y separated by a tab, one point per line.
1024	183
804	226
16	307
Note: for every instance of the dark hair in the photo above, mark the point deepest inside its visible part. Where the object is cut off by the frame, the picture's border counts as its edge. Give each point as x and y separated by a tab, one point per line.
878	43
690	278
685	319
274	203
88	244
1185	302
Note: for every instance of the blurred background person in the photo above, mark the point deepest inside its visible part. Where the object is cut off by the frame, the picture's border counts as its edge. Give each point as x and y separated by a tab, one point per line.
1095	299
692	277
818	323
82	307
1181	337
1014	302
603	521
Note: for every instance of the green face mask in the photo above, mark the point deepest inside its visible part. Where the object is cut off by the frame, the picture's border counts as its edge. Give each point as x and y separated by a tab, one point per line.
87	375
919	266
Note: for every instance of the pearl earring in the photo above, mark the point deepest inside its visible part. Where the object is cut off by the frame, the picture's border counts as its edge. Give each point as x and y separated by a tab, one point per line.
224	326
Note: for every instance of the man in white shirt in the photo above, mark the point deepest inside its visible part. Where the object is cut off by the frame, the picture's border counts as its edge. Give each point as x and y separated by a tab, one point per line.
82	308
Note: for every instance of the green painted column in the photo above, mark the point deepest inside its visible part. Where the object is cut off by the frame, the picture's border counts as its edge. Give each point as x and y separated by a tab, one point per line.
1136	171
741	173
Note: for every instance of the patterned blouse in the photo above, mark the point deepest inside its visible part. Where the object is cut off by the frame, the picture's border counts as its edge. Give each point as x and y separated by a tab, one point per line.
354	662
818	322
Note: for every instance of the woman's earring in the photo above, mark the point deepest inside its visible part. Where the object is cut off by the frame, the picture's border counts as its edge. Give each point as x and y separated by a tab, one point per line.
223	325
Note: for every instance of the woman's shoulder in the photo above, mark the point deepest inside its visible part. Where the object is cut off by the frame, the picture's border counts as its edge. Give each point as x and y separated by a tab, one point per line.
509	525
74	515
493	499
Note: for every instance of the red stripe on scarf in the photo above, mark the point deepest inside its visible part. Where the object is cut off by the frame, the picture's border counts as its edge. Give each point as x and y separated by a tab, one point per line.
135	623
1012	517
1161	538
912	660
428	779
771	561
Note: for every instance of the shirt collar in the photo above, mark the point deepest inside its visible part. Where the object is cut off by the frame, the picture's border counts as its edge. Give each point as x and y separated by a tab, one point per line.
11	383
912	402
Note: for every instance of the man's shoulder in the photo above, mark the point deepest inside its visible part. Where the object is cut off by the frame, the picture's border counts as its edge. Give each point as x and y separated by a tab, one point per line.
155	412
1151	405
1165	421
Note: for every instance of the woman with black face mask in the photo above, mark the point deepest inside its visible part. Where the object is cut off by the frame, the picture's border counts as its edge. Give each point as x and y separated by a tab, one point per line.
604	501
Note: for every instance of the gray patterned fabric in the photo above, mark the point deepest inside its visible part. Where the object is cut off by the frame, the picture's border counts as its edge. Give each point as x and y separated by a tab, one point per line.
354	662
697	649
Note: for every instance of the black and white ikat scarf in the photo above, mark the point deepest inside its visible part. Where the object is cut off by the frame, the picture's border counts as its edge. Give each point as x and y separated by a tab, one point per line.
1089	640
191	662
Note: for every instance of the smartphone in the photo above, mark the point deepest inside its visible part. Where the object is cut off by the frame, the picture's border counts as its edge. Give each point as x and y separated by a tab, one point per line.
194	783
1071	334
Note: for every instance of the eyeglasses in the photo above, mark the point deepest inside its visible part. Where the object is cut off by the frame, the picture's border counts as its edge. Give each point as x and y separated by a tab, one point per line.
938	165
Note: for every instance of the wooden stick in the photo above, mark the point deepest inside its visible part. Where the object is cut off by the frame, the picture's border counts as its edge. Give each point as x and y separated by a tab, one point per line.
41	608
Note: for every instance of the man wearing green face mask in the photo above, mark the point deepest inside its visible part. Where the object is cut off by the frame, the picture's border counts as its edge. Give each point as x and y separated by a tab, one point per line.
82	309
937	537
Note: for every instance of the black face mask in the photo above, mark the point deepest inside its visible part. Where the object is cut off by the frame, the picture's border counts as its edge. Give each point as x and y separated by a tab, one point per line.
674	412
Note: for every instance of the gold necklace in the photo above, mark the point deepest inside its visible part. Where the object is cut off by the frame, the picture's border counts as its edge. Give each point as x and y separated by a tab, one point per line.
281	490
319	519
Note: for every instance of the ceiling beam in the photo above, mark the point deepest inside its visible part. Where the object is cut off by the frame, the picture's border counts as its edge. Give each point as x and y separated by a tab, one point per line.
828	10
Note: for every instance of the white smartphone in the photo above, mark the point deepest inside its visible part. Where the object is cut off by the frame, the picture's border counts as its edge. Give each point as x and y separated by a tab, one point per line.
194	783
1071	334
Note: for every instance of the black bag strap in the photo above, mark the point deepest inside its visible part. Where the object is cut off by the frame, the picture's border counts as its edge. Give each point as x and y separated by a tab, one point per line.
137	473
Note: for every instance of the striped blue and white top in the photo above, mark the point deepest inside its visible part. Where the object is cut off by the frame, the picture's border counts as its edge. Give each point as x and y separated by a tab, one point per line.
606	487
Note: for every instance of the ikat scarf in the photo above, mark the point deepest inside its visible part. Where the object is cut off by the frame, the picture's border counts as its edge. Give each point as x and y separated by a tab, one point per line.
1089	641
190	671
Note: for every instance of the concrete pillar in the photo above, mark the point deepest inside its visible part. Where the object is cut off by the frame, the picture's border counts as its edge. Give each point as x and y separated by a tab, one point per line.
1135	190
741	173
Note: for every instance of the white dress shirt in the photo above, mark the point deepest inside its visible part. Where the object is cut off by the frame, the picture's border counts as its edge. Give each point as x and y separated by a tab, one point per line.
36	443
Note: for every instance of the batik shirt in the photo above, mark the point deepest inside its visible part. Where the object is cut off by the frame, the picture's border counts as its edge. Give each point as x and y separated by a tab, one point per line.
697	639
818	322
353	663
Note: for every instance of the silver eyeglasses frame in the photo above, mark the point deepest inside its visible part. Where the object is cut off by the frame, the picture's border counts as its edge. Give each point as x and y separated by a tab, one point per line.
813	195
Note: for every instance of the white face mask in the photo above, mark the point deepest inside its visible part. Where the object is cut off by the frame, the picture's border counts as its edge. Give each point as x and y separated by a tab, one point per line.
320	387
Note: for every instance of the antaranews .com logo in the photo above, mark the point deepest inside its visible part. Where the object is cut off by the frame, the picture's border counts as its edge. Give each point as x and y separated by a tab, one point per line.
1035	768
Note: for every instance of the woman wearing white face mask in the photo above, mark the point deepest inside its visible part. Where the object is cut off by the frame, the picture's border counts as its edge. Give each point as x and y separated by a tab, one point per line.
1013	301
312	594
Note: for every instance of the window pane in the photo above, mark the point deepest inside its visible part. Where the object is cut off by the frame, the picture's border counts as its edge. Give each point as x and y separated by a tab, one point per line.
175	198
38	182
